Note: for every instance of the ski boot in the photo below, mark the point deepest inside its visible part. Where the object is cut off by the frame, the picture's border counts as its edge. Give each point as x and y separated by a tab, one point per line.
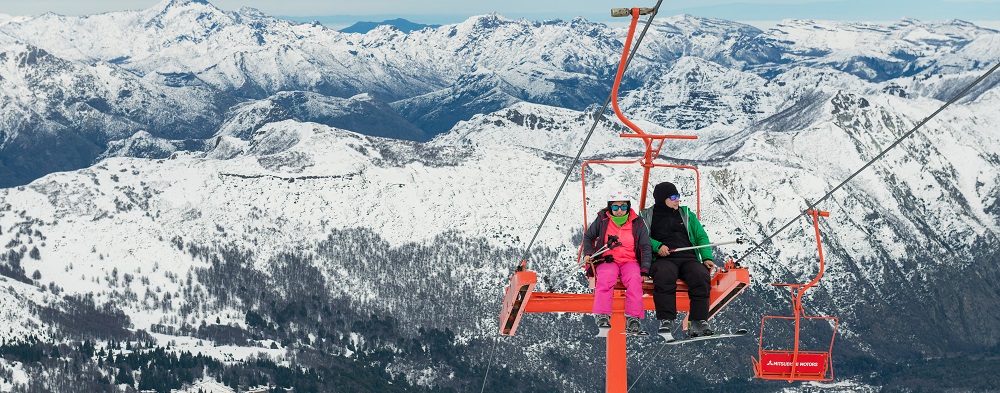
699	328
603	324
633	326
666	329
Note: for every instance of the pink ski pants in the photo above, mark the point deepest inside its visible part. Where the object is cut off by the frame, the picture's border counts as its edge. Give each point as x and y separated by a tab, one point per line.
607	277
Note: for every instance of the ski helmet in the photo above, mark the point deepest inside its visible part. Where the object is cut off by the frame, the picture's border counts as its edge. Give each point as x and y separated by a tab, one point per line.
618	195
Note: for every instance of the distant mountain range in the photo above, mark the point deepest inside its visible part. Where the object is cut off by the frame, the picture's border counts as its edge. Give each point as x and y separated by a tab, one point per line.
184	64
399	23
315	209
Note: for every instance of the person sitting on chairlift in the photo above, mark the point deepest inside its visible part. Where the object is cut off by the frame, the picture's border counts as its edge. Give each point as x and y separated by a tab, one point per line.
624	257
674	226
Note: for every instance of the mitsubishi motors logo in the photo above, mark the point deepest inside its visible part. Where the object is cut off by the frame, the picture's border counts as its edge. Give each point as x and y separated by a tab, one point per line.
789	364
803	363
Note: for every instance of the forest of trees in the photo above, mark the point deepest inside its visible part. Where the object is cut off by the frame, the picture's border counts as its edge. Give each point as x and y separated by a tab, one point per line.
335	342
291	304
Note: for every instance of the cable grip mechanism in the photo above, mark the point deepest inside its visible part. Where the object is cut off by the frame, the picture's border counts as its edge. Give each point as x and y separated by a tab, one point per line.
619	12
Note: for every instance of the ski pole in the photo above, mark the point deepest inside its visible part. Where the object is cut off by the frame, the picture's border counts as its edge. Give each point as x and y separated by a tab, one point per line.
612	243
738	240
599	252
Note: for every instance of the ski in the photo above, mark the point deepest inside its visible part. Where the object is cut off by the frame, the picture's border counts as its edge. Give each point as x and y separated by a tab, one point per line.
664	337
685	340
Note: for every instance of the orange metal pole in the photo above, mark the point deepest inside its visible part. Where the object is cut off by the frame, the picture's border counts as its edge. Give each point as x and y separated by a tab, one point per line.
819	246
797	309
797	299
617	361
621	71
646	166
583	186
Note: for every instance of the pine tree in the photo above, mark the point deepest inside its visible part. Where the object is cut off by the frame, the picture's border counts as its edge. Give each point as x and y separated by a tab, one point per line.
124	376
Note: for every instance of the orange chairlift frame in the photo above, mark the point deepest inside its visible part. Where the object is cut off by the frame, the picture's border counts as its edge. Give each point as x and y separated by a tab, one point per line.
797	364
520	297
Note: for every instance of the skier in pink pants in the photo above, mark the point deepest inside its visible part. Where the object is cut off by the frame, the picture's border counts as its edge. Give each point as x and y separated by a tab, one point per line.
618	223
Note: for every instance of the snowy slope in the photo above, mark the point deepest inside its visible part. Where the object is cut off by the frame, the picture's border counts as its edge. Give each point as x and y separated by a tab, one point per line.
290	179
296	182
295	179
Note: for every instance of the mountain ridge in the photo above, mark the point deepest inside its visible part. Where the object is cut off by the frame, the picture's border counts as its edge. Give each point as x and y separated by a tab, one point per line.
399	23
433	77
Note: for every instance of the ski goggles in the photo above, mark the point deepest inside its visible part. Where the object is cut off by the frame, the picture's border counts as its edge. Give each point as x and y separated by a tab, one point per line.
674	197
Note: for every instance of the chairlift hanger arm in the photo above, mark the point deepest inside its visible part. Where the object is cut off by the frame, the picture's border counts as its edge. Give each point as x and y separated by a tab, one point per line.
635	12
619	12
816	214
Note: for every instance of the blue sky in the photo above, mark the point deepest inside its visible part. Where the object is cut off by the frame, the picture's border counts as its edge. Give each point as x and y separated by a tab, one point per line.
452	11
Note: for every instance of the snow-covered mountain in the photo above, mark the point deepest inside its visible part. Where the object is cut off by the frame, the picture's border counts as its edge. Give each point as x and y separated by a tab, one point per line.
319	197
218	59
878	52
368	212
362	113
69	111
399	23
